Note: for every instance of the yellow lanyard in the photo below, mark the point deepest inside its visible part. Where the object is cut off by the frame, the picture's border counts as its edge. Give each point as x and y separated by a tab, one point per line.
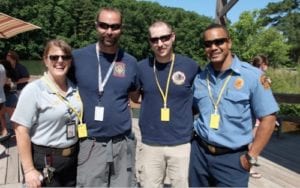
164	94
216	103
63	99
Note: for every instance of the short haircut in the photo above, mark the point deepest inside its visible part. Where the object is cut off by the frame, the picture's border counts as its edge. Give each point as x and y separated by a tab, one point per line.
160	23
216	26
109	9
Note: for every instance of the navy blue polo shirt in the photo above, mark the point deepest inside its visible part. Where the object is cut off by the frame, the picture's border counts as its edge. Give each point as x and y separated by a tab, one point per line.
179	129
123	79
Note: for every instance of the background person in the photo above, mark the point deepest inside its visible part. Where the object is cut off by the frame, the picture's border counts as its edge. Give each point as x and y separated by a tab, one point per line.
4	131
166	118
10	88
105	76
227	94
261	62
46	116
22	74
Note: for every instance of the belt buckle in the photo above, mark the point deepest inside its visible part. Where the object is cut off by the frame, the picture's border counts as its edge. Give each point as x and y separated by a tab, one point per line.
211	148
66	152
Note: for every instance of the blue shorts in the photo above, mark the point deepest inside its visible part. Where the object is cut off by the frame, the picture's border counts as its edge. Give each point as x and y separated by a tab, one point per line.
11	99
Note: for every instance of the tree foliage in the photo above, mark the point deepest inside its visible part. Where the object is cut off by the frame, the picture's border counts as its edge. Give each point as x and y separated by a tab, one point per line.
285	16
74	21
252	38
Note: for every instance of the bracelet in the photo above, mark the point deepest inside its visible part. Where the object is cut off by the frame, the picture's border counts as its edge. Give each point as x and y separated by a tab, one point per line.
27	171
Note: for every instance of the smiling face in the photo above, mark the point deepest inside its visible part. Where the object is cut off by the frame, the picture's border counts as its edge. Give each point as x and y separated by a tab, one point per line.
57	61
217	46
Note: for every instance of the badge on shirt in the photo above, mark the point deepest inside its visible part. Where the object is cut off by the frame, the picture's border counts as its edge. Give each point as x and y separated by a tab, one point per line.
99	113
239	83
165	114
82	130
214	121
265	81
71	129
178	78
119	69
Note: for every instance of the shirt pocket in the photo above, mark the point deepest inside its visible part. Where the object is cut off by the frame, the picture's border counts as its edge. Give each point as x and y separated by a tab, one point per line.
202	100
236	104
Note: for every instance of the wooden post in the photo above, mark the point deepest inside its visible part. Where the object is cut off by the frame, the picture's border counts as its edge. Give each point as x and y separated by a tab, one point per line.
222	8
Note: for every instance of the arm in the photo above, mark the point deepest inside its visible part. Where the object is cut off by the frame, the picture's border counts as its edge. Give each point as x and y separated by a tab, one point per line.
135	96
23	80
24	147
262	136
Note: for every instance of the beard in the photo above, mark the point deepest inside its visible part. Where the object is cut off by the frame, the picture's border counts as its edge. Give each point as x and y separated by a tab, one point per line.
108	41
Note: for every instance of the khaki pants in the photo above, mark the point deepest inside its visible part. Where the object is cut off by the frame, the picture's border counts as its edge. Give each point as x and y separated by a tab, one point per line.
157	161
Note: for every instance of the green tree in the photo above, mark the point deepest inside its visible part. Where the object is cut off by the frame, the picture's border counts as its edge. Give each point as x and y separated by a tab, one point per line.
250	38
285	16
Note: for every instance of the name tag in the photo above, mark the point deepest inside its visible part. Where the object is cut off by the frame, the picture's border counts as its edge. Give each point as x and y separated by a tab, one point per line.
82	130
214	121
99	113
165	114
71	129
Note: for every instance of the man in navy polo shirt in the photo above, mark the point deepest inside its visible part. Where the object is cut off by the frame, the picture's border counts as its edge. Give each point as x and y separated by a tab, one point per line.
105	74
166	118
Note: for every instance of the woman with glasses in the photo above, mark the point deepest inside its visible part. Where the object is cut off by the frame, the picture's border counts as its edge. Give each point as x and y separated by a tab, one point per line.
46	116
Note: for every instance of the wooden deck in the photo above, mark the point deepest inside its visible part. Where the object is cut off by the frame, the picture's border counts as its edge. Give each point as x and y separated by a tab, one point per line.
10	166
279	163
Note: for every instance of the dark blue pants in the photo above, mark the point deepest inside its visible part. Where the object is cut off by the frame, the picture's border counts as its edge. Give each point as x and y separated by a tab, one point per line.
223	170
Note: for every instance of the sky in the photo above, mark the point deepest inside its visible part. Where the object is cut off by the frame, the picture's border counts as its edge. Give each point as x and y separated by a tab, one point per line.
208	7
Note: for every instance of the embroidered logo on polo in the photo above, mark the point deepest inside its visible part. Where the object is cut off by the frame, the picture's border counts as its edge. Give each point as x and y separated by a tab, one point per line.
178	78
239	83
119	69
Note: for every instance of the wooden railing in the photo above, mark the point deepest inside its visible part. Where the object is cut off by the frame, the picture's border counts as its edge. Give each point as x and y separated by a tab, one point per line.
280	98
288	99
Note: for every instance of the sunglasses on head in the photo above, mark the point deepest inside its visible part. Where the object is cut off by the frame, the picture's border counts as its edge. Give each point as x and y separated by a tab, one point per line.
104	25
63	57
217	42
163	38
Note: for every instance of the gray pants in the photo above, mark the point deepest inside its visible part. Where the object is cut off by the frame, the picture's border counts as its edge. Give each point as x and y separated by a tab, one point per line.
102	164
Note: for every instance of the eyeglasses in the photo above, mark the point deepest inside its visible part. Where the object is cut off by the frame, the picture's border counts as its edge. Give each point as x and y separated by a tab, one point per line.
217	42
104	25
63	57
163	38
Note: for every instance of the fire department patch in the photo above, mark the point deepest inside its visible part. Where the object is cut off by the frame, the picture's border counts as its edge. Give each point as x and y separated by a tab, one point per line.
178	78
264	80
239	83
119	69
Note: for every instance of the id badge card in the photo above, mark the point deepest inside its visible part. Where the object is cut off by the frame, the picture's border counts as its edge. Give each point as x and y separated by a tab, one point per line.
99	113
165	114
82	130
214	121
71	129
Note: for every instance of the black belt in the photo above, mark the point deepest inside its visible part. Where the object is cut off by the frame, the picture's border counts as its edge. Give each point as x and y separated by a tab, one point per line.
216	150
114	139
65	152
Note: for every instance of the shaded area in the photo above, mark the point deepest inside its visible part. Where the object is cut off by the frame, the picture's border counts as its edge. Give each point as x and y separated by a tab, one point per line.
285	149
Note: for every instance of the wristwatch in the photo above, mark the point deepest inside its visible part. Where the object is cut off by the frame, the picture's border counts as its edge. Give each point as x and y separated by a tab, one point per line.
251	160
